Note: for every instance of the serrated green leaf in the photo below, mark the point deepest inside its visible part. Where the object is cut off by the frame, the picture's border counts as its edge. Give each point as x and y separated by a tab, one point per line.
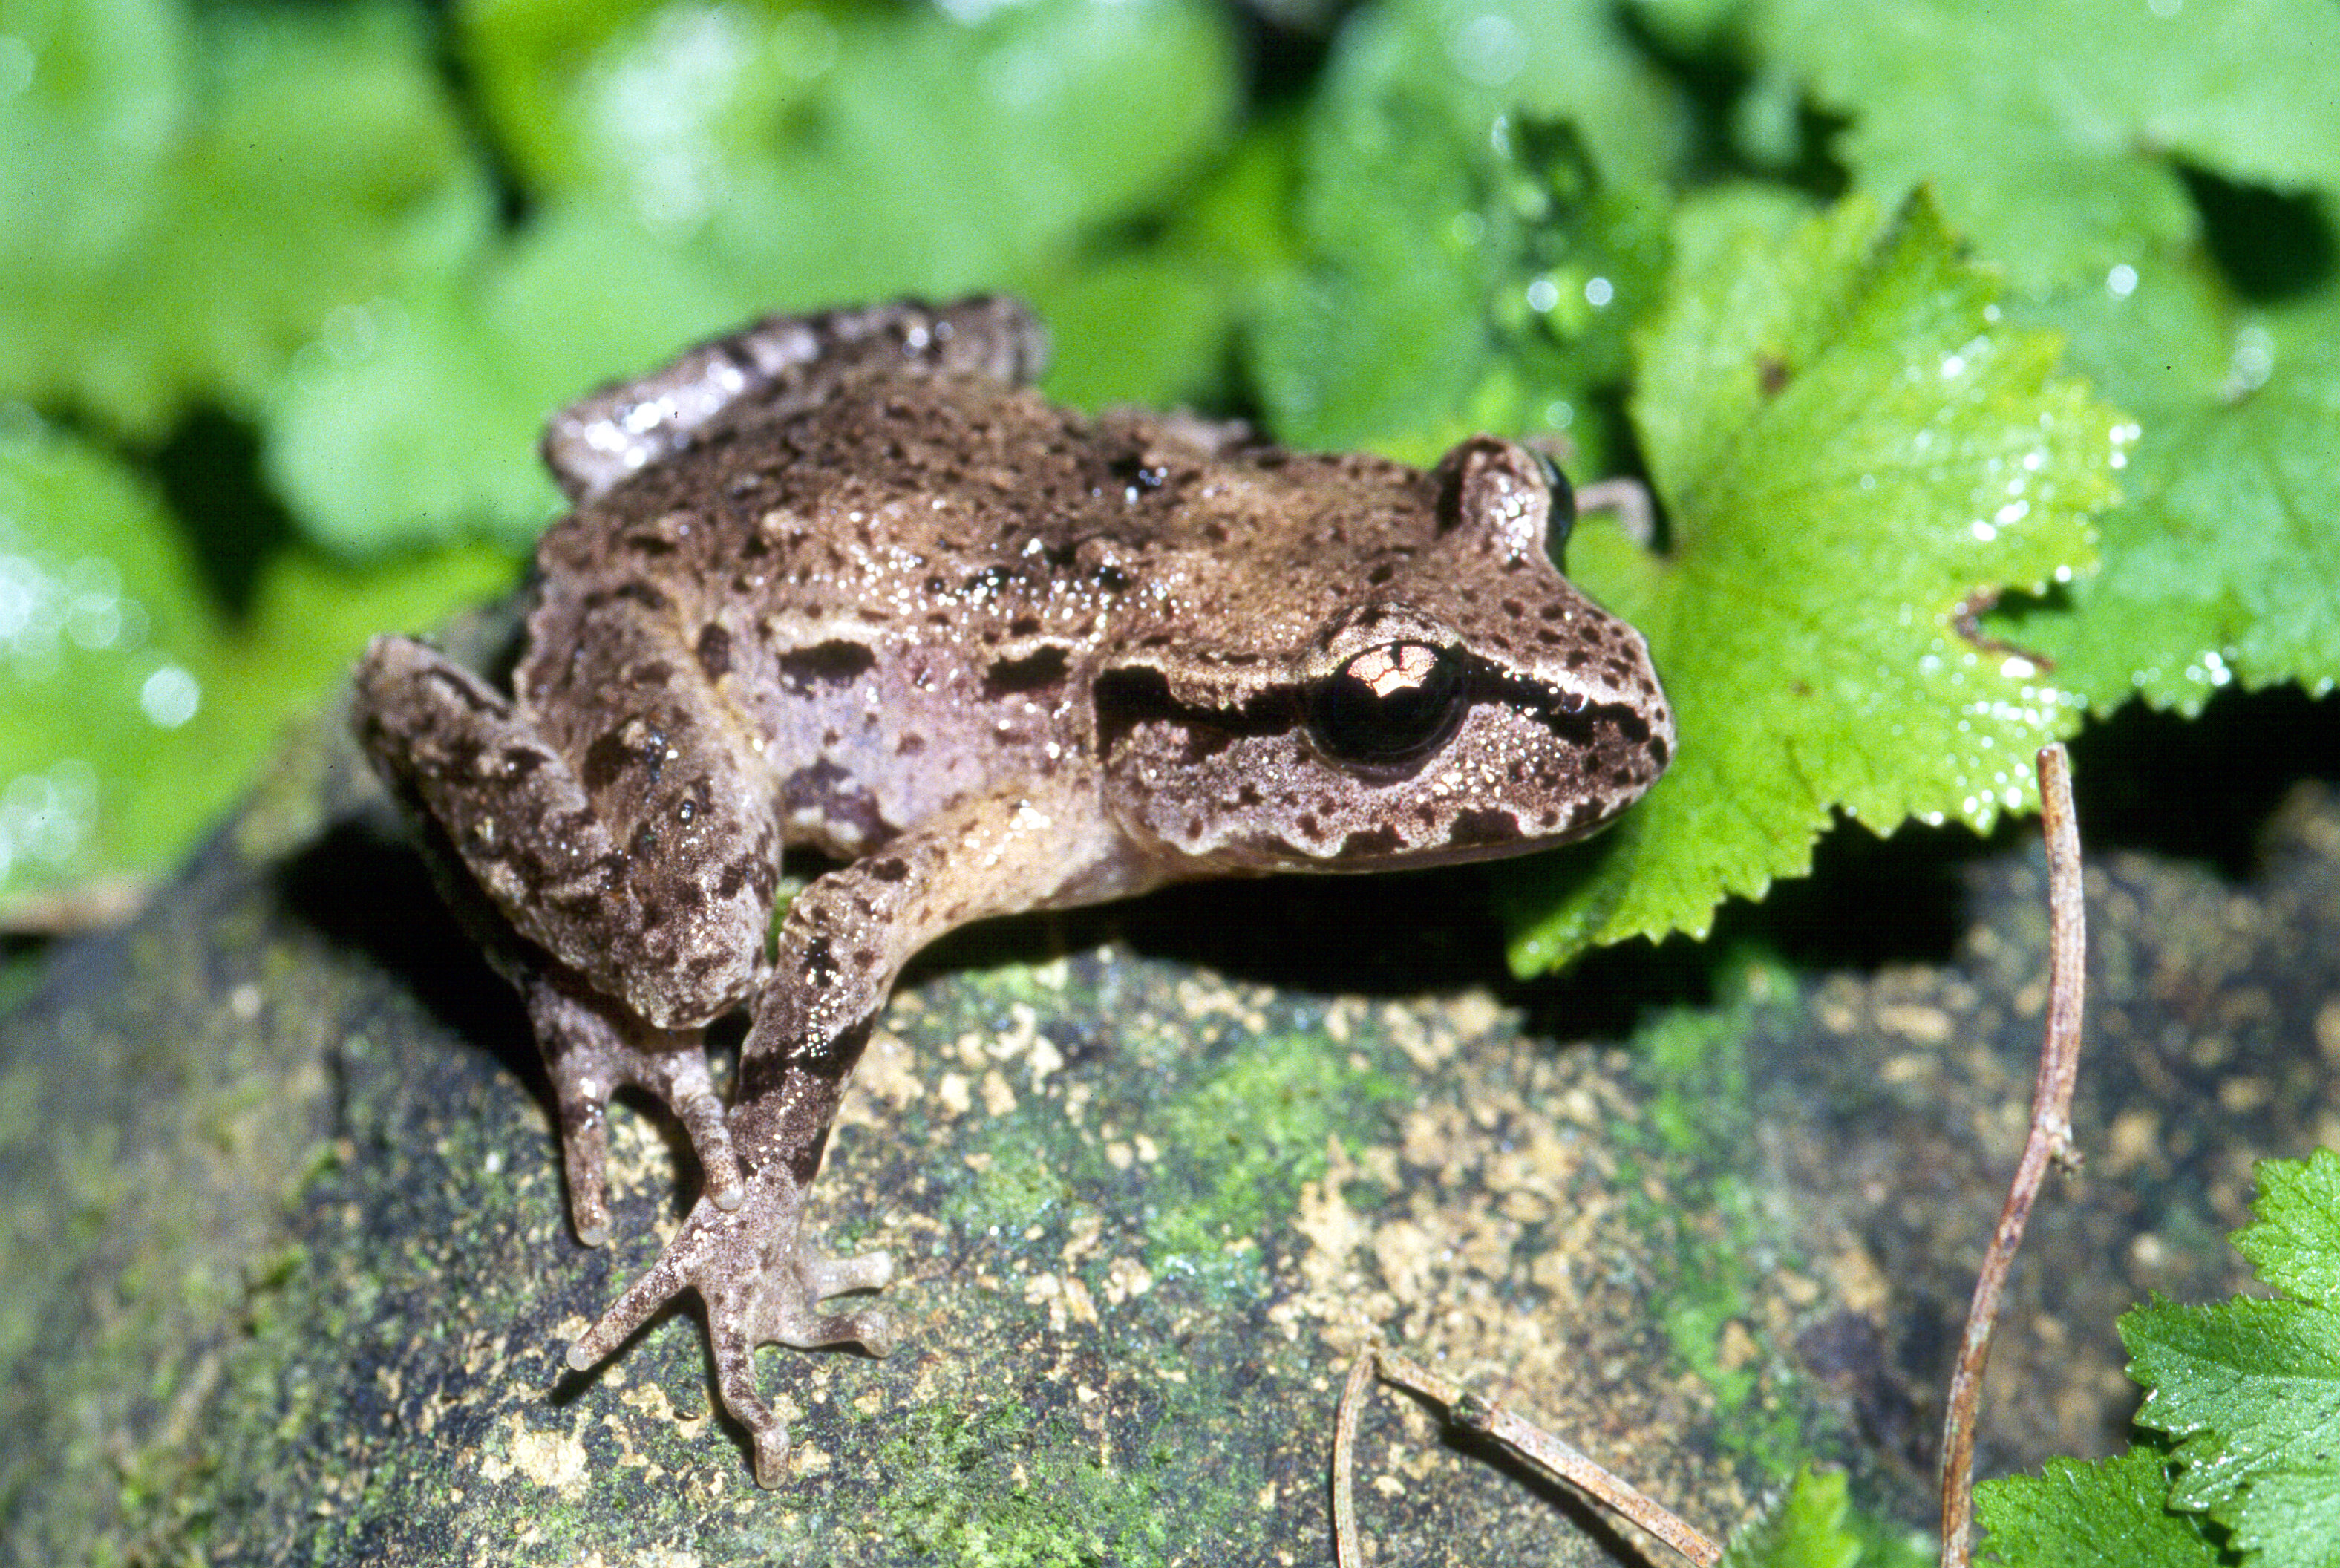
2054	133
2296	1245
216	193
2113	1514
2222	565
1849	445
1480	227
2252	1388
1803	1527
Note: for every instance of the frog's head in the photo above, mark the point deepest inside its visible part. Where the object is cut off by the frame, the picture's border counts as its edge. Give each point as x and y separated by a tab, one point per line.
1451	696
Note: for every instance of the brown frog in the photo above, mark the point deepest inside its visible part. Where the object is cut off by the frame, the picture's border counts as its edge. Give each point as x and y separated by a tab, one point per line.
841	580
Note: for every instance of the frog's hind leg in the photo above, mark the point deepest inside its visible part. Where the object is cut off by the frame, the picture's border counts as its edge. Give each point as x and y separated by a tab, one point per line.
843	941
514	841
591	1048
784	364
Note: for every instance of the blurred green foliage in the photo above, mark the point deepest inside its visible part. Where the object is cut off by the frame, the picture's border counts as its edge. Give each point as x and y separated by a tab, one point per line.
286	291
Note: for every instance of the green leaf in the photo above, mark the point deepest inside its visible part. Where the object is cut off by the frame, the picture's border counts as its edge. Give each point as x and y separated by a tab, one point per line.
2223	566
1098	359
2296	1245
312	617
131	714
2058	148
2252	1389
2113	1514
796	160
861	153
107	649
416	423
187	205
1849	444
1480	227
1803	1527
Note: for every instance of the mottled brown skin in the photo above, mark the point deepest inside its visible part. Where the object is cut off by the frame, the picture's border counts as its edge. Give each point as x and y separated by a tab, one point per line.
842	582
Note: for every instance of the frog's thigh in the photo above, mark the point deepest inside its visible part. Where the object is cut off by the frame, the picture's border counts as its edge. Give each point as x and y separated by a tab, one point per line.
786	363
523	824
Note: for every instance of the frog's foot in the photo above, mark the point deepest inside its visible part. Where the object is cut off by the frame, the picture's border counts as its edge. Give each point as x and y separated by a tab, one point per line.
590	1053
761	1284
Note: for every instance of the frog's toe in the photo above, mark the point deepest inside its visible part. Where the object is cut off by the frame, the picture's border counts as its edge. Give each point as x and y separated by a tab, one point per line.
793	1315
584	1154
589	1059
701	1115
761	1284
827	1276
642	1299
735	1381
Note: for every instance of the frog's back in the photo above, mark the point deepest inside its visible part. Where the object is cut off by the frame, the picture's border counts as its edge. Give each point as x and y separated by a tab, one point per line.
892	596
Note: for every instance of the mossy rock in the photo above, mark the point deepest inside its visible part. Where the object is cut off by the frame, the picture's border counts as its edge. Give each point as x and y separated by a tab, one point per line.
289	1276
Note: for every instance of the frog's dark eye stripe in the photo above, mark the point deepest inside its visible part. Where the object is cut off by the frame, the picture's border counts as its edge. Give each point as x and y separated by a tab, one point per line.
1139	694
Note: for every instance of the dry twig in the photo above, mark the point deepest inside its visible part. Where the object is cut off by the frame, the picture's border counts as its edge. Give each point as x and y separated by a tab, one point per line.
2050	1140
1532	1442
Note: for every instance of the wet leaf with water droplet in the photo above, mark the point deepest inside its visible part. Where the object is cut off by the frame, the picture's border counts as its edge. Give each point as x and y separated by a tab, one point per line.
2249	1390
1479	227
105	643
2222	565
2112	1514
1822	477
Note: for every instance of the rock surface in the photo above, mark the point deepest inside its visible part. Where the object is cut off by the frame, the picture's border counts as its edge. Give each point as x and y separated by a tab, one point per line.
288	1277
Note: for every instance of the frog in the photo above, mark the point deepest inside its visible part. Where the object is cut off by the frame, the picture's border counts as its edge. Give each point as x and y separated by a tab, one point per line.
846	583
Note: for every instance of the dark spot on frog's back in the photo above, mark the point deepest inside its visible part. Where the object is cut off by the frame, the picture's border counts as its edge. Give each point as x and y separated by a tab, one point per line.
714	650
837	660
1033	672
633	591
828	794
605	759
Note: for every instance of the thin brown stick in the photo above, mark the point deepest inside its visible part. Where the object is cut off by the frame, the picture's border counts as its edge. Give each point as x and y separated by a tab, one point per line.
1345	1553
1532	1442
2050	1140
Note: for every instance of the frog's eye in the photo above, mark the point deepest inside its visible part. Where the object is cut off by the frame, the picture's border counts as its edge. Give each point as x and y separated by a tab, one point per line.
1563	501
1388	705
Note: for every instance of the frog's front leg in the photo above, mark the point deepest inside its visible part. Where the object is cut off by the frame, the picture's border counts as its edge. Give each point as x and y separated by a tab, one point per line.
521	852
844	940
